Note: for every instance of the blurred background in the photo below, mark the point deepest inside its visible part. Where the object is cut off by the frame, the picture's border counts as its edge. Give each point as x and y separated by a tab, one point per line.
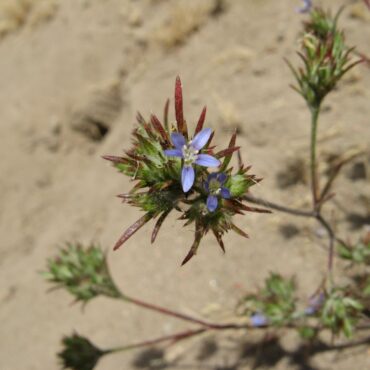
73	75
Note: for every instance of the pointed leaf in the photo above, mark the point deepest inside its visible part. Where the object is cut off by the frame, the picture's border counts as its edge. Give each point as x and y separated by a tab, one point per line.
132	230
193	250
228	157
219	240
114	159
165	115
239	231
159	128
179	106
158	224
201	121
227	152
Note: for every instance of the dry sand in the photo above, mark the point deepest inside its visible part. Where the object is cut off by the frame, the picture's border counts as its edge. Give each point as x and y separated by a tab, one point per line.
67	64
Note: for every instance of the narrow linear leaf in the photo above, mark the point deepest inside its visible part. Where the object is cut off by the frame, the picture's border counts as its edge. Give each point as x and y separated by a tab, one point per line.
159	224
201	120
165	114
219	240
239	231
229	156
160	129
194	247
132	230
227	152
114	159
179	105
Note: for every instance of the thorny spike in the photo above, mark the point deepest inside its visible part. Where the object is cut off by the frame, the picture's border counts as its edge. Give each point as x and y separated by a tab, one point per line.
132	230
226	152
219	240
158	126
239	231
179	106
158	225
228	157
114	159
140	118
193	250
165	114
201	120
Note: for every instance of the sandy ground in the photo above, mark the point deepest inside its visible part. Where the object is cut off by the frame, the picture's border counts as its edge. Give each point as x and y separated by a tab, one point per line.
67	64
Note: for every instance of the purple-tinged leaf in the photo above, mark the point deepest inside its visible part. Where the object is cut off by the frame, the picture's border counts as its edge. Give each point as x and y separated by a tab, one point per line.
228	156
179	106
255	209
219	240
227	152
114	159
165	115
239	231
201	121
158	225
159	128
132	230
140	118
194	247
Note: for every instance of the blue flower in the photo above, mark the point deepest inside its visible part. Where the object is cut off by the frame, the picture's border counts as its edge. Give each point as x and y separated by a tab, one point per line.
315	304
307	5
258	319
214	187
189	152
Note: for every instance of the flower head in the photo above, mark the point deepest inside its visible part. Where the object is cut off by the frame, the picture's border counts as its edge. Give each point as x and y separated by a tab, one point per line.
189	152
214	187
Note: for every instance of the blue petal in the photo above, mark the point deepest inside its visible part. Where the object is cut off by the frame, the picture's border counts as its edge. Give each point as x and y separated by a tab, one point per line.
178	140
225	193
207	160
221	178
206	186
212	175
173	153
187	178
212	203
201	138
258	319
307	5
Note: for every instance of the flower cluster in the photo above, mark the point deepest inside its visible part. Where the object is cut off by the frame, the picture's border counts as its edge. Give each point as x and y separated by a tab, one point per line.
325	56
176	171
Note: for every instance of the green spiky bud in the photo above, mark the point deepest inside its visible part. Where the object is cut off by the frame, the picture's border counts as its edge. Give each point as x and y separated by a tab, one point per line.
79	353
83	272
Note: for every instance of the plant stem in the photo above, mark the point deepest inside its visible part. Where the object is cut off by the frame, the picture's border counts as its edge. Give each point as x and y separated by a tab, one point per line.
296	212
314	177
173	338
181	316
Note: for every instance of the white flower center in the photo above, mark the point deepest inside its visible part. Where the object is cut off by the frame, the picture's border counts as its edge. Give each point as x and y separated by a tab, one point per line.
190	154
